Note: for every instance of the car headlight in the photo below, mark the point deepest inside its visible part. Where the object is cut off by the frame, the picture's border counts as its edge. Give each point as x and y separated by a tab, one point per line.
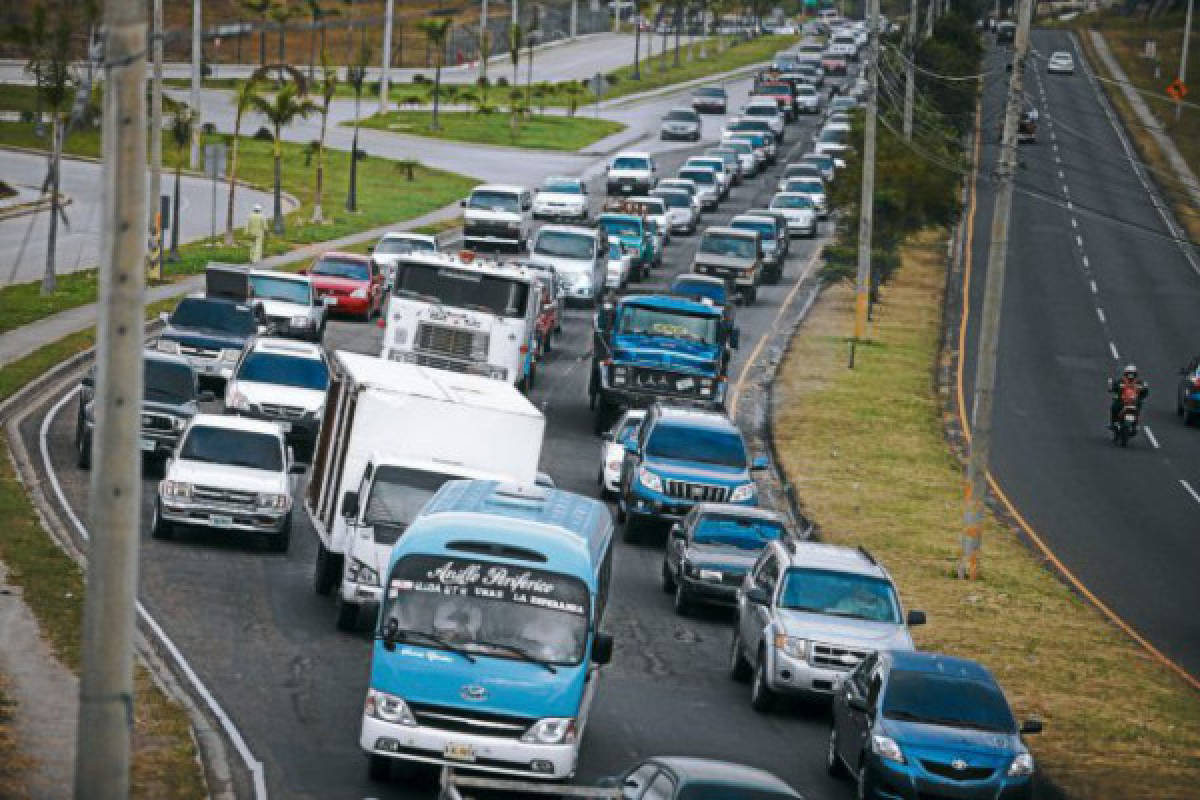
790	645
711	575
359	293
1021	766
620	375
274	501
743	492
178	490
362	573
649	480
886	748
552	730
167	346
389	708
230	354
301	322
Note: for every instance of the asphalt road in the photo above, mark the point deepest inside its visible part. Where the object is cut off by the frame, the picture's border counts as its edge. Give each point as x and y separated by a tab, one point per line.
1092	286
266	646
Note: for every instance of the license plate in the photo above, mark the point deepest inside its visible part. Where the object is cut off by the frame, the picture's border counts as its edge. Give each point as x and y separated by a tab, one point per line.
221	521
459	752
147	445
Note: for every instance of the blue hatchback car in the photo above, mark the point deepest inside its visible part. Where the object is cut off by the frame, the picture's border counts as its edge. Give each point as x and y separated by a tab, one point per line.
913	725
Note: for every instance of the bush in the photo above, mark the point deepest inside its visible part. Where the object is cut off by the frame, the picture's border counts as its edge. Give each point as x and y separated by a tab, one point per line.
264	134
482	82
502	81
373	87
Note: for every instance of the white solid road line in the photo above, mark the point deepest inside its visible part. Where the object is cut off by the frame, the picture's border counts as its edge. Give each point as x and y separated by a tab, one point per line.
1100	314
1095	288
253	764
1074	222
1150	436
1087	265
1189	489
1112	348
1079	241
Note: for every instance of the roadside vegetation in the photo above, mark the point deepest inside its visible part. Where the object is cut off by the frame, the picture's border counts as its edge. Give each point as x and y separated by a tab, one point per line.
12	763
536	131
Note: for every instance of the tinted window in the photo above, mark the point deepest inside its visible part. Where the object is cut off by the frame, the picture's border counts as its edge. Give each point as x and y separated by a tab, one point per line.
710	92
675	199
462	288
198	312
791	201
705	445
706	177
946	700
564	245
233	447
723	791
655	322
494	201
680	115
631	162
762	111
766	229
727	246
621	227
563	187
402	247
168	383
712	291
746	533
397	496
302	373
812	187
840	594
268	287
342	268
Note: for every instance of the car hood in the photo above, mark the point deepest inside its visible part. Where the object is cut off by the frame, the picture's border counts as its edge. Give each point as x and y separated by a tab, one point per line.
203	337
240	478
562	198
675	469
282	308
726	559
326	282
843	630
274	393
945	744
629	173
482	215
664	351
439	677
562	264
713	260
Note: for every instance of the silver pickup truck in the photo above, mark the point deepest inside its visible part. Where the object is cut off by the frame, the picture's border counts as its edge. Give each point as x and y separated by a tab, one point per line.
734	254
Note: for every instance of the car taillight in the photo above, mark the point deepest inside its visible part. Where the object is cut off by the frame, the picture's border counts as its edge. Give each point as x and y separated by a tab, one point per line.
1196	381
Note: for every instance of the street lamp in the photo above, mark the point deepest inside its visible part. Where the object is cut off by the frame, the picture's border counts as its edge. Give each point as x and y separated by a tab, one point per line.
355	76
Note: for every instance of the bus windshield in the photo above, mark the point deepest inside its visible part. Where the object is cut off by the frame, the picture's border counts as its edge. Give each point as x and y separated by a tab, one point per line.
494	294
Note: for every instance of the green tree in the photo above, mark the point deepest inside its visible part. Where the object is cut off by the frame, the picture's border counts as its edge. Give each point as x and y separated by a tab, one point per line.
317	13
183	119
259	8
435	30
243	100
515	39
327	86
281	110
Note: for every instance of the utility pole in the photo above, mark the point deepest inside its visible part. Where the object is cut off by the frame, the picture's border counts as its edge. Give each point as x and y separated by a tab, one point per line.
105	725
929	16
574	19
156	138
910	40
515	12
866	202
993	295
387	56
483	39
197	53
1187	34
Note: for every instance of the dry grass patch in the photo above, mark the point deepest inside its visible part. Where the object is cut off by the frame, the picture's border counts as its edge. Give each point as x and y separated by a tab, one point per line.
866	452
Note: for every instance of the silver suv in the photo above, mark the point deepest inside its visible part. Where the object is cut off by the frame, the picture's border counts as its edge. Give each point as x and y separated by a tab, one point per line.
808	613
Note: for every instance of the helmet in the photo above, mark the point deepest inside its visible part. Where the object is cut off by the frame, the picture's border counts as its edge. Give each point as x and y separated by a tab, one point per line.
1130	371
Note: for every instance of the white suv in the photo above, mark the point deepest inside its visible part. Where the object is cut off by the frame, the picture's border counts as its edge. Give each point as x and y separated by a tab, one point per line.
631	174
282	381
808	613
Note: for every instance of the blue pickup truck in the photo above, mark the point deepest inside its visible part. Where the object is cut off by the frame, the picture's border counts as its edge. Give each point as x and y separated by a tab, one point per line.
654	347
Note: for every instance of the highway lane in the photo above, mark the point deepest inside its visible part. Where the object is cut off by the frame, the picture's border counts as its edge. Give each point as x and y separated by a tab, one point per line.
1093	285
266	645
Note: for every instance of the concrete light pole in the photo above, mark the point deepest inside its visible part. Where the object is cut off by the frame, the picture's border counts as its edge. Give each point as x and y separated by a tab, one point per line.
993	295
197	54
156	137
105	725
574	19
867	200
1183	57
483	39
388	13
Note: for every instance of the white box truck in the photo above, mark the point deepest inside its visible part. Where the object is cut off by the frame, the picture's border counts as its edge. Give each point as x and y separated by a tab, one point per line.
392	434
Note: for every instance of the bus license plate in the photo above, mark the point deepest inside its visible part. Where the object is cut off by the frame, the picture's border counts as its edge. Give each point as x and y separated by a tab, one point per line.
147	445
221	521
459	752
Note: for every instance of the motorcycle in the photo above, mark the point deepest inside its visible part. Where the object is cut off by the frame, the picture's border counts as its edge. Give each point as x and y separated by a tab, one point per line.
1125	428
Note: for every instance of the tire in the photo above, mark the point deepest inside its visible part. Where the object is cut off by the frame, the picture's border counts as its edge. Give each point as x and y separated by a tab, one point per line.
739	667
347	615
629	531
279	542
668	580
83	450
1189	417
159	527
325	573
833	762
682	603
379	768
762	699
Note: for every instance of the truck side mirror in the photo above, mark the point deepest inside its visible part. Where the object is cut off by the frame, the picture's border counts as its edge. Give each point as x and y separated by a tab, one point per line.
759	463
164	317
735	336
1031	726
758	596
676	531
602	648
350	505
631	448
916	618
391	632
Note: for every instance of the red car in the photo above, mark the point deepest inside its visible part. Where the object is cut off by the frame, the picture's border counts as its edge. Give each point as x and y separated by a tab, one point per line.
834	65
348	283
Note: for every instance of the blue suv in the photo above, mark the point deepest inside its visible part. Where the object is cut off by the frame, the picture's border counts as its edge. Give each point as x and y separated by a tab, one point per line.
681	457
912	725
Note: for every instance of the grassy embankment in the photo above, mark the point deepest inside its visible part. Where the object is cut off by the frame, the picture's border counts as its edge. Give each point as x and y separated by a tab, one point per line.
536	131
866	451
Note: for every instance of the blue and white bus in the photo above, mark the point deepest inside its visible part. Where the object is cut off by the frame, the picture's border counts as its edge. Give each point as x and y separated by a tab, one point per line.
488	643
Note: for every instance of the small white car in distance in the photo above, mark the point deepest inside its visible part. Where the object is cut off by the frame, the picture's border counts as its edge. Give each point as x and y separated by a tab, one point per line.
800	213
612	450
561	198
1060	63
620	265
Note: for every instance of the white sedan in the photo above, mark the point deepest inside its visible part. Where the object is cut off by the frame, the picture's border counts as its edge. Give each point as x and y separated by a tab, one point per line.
1061	63
620	265
612	450
799	211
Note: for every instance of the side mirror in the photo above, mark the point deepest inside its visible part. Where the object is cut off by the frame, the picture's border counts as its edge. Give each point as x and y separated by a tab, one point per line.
370	249
916	618
735	336
607	436
206	396
462	203
631	448
1031	726
328	300
759	464
758	596
676	531
350	505
857	702
391	632
164	317
297	468
602	648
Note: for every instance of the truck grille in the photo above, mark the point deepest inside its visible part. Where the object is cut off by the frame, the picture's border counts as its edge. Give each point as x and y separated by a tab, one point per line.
470	721
455	343
498	229
657	380
229	497
832	656
697	492
157	422
281	412
198	352
948	771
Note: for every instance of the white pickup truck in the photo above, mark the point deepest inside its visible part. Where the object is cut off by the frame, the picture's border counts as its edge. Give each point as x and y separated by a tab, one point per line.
393	433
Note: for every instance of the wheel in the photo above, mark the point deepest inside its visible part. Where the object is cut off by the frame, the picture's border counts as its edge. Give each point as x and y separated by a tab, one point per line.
347	614
159	527
279	542
833	763
668	580
761	696
739	667
682	603
379	768
326	571
83	450
629	532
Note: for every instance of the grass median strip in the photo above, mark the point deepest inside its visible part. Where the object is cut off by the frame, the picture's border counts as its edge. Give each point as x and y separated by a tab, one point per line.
537	131
865	450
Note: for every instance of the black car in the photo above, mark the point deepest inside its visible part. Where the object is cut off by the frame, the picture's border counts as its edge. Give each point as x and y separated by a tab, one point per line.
169	399
671	777
710	100
709	553
210	332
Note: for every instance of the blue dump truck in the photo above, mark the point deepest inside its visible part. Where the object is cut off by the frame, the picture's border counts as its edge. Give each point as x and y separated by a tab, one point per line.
488	646
657	347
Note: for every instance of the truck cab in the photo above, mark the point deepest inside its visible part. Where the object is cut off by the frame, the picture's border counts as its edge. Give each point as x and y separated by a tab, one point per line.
497	215
732	253
631	230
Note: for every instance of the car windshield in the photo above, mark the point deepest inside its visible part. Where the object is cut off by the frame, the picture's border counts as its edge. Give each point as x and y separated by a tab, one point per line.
762	111
216	315
810	187
614	251
488	608
342	268
639	320
742	147
791	201
675	199
711	291
821	162
631	162
168	382
680	115
564	245
401	247
494	201
843	103
287	290
235	448
948	700
679	186
841	594
620	227
717	244
563	187
301	373
715	164
694	790
766	229
706	177
710	92
397	496
683	442
462	288
835	136
802	171
744	533
805	89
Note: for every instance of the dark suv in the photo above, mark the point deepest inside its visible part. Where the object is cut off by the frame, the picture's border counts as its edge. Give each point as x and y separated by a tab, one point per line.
911	725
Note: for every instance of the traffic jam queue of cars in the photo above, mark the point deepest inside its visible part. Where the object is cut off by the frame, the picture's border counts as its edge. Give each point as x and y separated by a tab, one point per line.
485	587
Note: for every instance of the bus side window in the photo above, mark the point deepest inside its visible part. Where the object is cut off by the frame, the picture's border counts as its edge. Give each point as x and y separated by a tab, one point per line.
602	584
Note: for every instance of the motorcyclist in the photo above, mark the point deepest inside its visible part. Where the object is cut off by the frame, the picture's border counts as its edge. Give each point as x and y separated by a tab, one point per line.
1128	389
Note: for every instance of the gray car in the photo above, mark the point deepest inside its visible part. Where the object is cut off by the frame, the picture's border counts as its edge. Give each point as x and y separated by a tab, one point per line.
808	613
681	123
678	777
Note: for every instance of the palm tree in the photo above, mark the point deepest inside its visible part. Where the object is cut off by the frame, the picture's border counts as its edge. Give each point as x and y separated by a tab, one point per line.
514	48
435	30
317	13
282	110
328	86
572	90
182	120
243	99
